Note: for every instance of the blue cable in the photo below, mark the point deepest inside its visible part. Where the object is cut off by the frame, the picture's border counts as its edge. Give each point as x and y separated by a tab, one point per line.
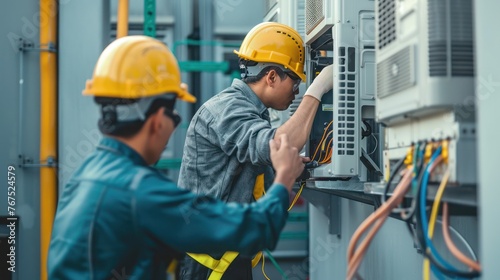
439	275
423	214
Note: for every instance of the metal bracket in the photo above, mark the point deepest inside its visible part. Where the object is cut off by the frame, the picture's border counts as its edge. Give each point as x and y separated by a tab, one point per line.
330	206
369	163
28	162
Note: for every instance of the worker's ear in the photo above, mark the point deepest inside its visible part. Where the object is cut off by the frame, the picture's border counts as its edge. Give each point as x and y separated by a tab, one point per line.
155	121
271	78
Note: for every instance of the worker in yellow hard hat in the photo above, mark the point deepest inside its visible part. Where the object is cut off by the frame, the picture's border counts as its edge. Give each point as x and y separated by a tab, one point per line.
119	218
226	154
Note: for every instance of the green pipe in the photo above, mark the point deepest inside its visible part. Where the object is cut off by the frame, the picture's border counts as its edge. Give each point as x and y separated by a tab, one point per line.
150	18
276	265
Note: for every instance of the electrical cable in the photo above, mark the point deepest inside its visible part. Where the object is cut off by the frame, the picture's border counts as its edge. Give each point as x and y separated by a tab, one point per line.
433	218
376	144
354	257
451	246
297	195
322	139
436	158
433	255
328	154
398	166
464	241
263	270
418	173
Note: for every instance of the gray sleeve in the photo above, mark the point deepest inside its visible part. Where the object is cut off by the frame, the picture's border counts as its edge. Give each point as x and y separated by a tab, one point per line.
240	131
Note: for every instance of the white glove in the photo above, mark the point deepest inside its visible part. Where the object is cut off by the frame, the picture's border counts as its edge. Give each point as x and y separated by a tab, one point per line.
322	83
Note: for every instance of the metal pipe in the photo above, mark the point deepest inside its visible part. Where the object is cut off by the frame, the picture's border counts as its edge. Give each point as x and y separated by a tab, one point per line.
48	126
21	103
122	19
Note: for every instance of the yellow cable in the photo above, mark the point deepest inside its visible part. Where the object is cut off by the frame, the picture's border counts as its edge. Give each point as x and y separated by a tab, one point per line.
433	218
328	154
322	140
263	271
297	195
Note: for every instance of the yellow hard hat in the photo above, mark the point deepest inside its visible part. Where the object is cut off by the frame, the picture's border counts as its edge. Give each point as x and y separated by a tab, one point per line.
275	43
136	67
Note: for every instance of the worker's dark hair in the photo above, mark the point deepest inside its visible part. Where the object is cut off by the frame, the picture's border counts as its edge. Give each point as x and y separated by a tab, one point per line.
108	123
254	79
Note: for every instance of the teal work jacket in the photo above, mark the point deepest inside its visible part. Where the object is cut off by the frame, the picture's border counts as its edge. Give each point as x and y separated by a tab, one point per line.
118	218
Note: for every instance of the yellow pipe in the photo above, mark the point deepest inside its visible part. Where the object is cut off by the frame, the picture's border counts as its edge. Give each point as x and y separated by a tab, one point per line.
48	126
122	24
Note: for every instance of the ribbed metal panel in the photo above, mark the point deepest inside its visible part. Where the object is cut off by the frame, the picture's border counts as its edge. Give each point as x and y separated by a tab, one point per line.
301	18
462	47
396	73
438	31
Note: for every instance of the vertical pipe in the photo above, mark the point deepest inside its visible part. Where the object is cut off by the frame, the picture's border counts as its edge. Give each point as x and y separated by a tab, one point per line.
21	106
48	126
122	19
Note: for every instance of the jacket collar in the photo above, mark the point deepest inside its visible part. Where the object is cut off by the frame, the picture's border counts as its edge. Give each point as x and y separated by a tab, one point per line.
119	148
248	92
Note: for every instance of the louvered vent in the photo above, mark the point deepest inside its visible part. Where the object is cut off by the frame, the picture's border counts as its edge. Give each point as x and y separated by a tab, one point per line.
438	49
301	18
346	114
386	22
462	50
396	73
301	28
314	14
295	104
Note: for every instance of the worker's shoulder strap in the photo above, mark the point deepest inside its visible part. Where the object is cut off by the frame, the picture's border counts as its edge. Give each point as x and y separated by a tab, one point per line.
220	266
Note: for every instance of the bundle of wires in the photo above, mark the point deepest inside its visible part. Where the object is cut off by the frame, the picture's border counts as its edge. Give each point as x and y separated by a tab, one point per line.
440	267
326	147
376	220
416	213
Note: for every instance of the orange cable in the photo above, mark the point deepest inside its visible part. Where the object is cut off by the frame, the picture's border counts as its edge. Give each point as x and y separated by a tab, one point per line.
451	246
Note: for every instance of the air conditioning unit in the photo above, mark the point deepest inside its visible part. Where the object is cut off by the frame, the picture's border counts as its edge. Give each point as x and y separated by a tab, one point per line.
425	58
344	127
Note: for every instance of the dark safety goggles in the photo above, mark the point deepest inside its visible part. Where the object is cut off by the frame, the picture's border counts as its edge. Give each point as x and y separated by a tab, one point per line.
296	80
172	114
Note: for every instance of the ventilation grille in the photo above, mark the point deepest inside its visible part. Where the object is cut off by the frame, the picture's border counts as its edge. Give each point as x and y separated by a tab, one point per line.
450	20
347	109
462	50
301	18
438	49
396	73
386	22
295	104
314	14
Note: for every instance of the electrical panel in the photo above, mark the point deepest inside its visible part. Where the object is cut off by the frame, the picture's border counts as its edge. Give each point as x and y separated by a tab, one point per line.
345	137
425	57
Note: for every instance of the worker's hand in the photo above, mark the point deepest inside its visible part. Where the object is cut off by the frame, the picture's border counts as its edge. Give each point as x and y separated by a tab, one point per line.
286	161
322	83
